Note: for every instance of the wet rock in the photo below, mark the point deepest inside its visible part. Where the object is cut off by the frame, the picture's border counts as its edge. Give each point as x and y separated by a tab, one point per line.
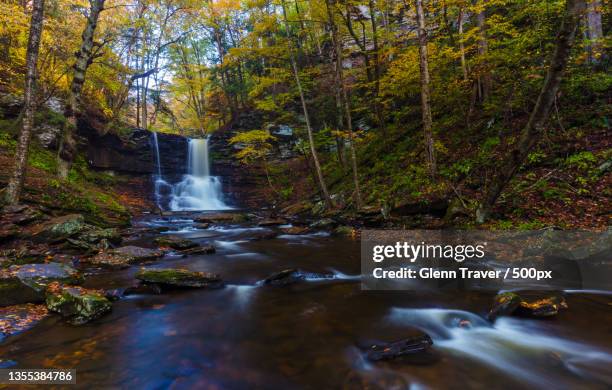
201	225
138	253
76	304
269	235
26	254
272	222
125	256
325	223
347	231
60	228
94	235
114	294
8	232
415	347
179	278
199	250
509	303
221	217
27	283
504	304
285	277
18	318
296	230
175	242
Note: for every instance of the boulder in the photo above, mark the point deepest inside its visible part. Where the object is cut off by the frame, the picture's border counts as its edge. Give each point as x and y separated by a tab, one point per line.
296	230
325	223
272	222
221	217
504	304
199	250
60	228
76	304
347	231
179	278
124	256
509	303
175	242
26	254
285	277
203	225
414	347
27	283
20	214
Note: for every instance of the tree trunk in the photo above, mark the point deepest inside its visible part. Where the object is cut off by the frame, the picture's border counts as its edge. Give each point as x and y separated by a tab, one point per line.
462	46
594	31
483	48
15	184
313	151
532	132
425	96
67	148
342	94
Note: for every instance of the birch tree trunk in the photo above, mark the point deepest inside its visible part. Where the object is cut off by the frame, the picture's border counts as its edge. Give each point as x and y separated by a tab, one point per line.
532	132
483	48
425	96
67	148
15	184
594	31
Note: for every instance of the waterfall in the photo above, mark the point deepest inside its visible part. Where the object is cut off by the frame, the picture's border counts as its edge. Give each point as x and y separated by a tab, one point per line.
198	190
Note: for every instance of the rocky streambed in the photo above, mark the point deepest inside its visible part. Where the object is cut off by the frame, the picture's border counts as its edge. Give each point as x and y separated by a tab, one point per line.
238	300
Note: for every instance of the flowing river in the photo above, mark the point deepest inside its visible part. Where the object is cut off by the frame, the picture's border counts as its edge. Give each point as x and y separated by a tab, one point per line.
308	335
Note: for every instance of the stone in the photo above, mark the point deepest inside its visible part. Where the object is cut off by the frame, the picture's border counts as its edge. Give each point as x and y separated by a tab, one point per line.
272	222
296	230
175	242
27	283
125	256
325	223
504	304
60	228
179	278
203	225
141	288
199	250
347	231
266	235
114	294
220	217
409	347
48	135
284	277
20	214
509	303
76	304
8	232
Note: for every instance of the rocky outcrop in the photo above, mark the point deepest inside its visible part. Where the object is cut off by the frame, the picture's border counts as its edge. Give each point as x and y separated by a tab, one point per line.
179	278
76	304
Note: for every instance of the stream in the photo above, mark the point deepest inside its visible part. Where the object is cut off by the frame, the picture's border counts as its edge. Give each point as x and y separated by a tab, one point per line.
307	335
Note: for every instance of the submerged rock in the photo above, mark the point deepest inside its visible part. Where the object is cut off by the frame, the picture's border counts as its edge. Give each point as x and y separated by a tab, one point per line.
285	277
415	347
27	283
175	242
509	303
18	318
177	278
76	304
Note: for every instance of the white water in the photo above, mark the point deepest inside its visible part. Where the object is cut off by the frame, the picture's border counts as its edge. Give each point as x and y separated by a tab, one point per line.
197	190
517	346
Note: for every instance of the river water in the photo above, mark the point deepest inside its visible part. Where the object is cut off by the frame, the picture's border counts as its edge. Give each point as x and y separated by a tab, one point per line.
307	335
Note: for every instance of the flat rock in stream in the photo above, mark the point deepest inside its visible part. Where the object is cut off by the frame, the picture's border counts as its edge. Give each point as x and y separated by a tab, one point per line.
179	278
176	242
220	217
27	283
125	256
199	250
509	303
414	348
272	222
76	304
296	230
294	275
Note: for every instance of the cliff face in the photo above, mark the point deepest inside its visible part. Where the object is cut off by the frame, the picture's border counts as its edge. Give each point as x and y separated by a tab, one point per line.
134	155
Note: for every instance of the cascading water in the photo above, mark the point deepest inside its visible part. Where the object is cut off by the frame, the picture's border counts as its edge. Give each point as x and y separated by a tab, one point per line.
197	190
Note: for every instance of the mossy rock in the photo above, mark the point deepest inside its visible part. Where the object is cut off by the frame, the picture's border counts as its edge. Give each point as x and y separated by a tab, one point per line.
175	242
346	231
27	283
76	304
125	256
60	228
179	278
537	306
504	304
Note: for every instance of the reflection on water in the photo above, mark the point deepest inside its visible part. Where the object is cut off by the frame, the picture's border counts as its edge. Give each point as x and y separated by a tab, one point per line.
306	335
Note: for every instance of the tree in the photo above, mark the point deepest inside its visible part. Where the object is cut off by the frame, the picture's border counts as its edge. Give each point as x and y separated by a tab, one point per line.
532	132
84	57
256	145
425	95
15	185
